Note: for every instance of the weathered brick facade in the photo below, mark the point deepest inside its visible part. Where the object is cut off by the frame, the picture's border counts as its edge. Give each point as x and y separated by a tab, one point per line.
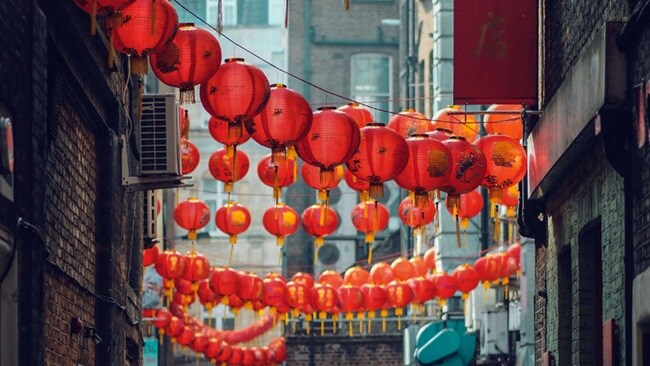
79	256
341	351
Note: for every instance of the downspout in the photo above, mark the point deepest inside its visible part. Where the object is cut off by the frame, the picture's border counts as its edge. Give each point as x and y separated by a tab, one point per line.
410	60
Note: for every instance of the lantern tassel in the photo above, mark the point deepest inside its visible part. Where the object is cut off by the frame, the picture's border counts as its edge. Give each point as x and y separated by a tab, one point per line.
383	313
370	253
497	227
350	328
230	256
346	5
458	231
376	190
361	316
187	96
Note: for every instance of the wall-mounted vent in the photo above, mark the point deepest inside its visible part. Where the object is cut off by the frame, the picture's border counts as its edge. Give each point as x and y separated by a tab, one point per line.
159	135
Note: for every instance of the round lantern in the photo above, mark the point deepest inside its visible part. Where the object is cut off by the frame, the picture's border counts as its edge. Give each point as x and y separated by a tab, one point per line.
514	251
190	156
504	123
186	337
423	289
277	174
428	167
283	122
221	133
416	217
350	299
228	168
280	221
370	217
510	199
104	7
319	221
445	285
409	122
332	140
233	219
430	258
323	298
189	59
207	297
357	184
192	215
238	91
488	268
182	285
357	276
304	278
402	269
200	343
175	328
381	156
439	134
322	183
212	349
297	296
274	291
226	352
359	114
149	256
330	277
508	266
466	278
468	166
506	163
469	205
251	287
381	273
197	268
399	294
143	28
170	265
463	125
420	268
224	281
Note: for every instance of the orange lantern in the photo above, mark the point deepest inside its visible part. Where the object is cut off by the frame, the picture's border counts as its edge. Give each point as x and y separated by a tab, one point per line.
192	215
280	221
370	217
506	124
445	284
330	277
464	125
359	114
149	256
488	268
402	269
409	122
420	267
381	273
467	278
399	294
506	163
224	281
357	276
430	258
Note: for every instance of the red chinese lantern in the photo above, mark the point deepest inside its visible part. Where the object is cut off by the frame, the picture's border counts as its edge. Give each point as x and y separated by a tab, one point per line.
423	289
103	7
149	256
233	219
237	356
297	296
374	298
213	349
409	122
183	286
467	279
280	221
200	343
420	268
304	278
192	215
402	269
445	285
370	217
506	163
428	167
190	156
189	59
197	268
221	133
350	299
332	140
357	184
323	298
283	122
416	217
381	273
469	205
186	337
330	277
506	124
319	221
463	125
356	276
228	168
224	281
439	134
430	258
514	251
488	268
359	114
207	297
162	318
508	266
226	352
170	265
250	288
183	300
468	166
274	291
143	28
238	91
399	294
381	156
174	328
277	174
322	183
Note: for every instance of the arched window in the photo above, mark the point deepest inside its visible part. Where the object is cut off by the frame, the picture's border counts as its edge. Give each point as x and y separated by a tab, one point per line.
371	82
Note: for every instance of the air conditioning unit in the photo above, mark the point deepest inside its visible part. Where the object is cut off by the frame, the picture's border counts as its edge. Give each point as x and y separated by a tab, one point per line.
149	227
494	333
336	254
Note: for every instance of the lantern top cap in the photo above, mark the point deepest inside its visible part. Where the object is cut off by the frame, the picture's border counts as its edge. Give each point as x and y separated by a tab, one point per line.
409	110
278	85
453	137
186	25
353	104
325	108
376	124
420	135
443	130
235	59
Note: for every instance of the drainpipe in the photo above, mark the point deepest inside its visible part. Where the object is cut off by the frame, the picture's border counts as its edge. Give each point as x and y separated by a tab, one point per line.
411	58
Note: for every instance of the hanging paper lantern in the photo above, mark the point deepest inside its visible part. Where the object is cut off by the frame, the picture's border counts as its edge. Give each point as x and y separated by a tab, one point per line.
402	269
200	343
508	266
224	281
359	114
238	91
514	251
420	268
197	268
297	296
439	134
277	174
226	352
357	184
323	298
319	221
304	278
488	268
445	285
149	256
506	163
381	156
175	328
182	285
356	276
467	278
161	320
370	217
190	156
374	299
428	167
186	337
330	277
331	141
233	219
506	124
192	215
510	199
237	356
430	258
381	273
228	168
322	183
213	349
463	125
280	221
409	122
183	299
189	59
221	133
350	300
170	265
469	205
416	217
274	291
399	294
101	7
283	122
251	287
141	29
207	297
423	289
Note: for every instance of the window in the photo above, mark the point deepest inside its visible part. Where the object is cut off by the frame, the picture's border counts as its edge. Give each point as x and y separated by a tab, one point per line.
229	16
371	82
252	12
276	12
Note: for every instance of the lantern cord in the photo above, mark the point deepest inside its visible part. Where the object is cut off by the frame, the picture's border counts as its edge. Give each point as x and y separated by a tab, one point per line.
230	256
93	18
458	231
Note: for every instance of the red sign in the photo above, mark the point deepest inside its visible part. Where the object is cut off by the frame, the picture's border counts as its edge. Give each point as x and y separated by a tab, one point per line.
495	52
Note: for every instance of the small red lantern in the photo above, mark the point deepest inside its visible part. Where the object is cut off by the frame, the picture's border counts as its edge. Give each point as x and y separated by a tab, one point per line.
197	268
374	298
409	122
506	163
416	217
283	122
381	156
420	268
370	217
467	278
221	133
464	125
508	266
200	343
399	294
250	288
402	269
359	114
143	28
233	219
192	215
323	298
186	337
149	256
162	318
170	265
226	352
350	299
304	278
330	277
445	285
189	59
319	221
104	7
469	205
207	297
506	124
488	268
423	289
514	251
439	134
213	349
280	221
357	276
468	166
510	199
238	91
297	296
228	168
183	286
428	167
381	273
322	183
277	174
274	291
174	328
430	258
332	140
190	156
224	281
357	184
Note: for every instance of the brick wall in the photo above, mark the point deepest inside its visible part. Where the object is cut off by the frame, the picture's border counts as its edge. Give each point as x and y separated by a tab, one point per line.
343	351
